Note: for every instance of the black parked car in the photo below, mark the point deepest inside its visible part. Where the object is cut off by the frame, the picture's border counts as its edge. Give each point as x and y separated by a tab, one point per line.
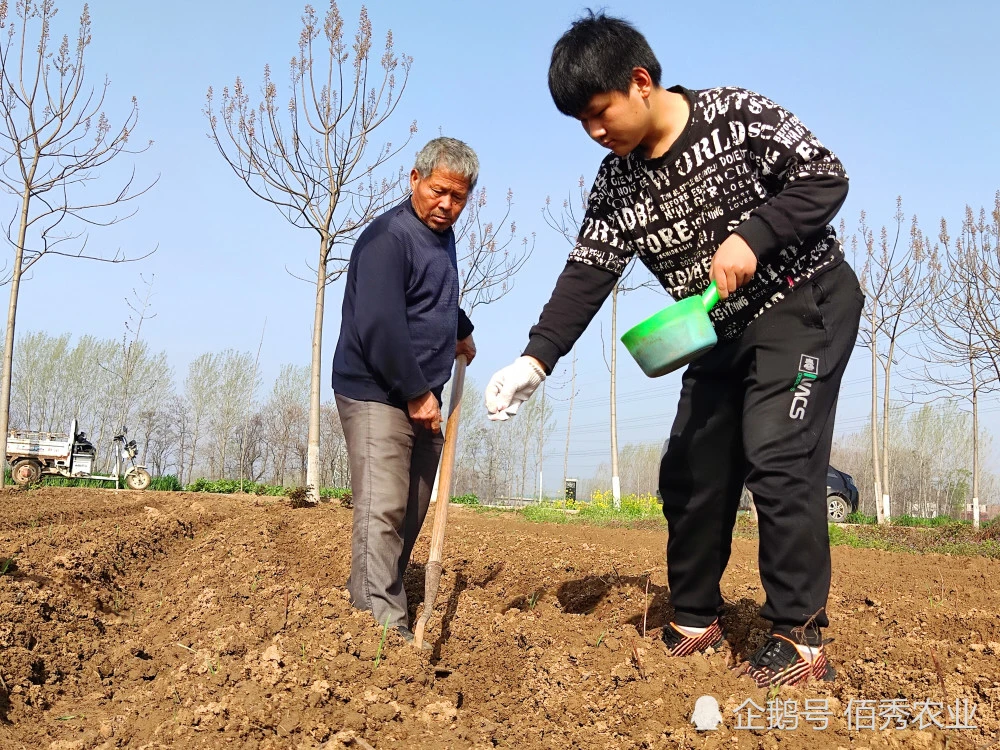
841	495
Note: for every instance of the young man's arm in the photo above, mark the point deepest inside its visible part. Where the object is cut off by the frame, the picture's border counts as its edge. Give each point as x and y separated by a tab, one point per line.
599	258
579	293
603	250
808	181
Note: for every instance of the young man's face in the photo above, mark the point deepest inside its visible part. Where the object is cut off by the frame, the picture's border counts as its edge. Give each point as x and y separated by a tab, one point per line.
439	197
619	122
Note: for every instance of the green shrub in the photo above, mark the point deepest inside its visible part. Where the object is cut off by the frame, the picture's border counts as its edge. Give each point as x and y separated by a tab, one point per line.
165	483
231	486
467	499
335	493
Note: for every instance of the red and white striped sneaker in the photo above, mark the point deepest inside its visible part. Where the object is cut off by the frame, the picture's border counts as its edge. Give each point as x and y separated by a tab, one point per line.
682	640
781	661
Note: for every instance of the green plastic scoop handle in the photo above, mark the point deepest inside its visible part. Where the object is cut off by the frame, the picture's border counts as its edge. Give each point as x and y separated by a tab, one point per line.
710	297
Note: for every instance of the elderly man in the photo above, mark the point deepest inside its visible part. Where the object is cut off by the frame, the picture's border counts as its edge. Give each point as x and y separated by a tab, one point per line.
400	332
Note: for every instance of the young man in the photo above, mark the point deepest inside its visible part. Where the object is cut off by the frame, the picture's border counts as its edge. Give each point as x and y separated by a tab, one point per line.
718	185
400	332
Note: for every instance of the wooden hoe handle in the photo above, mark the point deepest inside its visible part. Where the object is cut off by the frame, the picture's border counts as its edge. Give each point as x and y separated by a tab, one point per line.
432	573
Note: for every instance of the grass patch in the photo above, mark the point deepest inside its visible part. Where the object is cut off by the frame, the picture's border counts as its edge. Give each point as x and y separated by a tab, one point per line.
915	522
954	538
635	512
233	486
166	483
941	535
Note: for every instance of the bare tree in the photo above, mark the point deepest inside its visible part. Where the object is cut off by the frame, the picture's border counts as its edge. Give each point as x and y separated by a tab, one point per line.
337	469
569	421
567	223
287	412
55	138
36	379
179	433
252	444
133	376
488	260
199	397
967	308
237	383
313	157
893	278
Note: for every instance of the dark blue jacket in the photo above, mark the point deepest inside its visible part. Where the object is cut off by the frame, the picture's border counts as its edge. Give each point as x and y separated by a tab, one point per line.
400	317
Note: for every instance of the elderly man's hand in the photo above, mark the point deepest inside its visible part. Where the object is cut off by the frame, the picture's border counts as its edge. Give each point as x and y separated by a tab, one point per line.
425	411
467	347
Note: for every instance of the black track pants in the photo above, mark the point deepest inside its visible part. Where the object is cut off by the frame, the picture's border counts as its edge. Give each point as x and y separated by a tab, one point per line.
760	410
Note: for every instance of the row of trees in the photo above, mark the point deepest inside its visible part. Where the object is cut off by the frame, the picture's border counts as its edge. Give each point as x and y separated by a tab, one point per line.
317	156
931	316
930	452
218	422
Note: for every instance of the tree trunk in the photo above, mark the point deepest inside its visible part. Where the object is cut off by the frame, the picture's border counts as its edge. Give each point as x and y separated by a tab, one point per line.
312	441
541	444
876	468
616	488
569	422
8	344
975	447
886	486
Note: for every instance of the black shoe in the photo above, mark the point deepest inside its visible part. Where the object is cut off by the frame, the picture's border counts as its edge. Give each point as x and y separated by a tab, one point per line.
681	643
410	638
781	661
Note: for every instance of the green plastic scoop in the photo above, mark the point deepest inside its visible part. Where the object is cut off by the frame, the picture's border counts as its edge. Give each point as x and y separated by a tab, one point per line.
676	335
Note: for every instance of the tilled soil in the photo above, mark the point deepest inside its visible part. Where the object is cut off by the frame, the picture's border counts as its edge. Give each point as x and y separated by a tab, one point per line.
156	620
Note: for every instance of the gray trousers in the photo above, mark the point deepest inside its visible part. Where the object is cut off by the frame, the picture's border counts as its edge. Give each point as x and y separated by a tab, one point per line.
393	463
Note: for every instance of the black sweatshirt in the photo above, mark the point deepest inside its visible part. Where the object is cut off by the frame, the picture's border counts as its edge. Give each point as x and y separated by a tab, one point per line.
400	317
741	165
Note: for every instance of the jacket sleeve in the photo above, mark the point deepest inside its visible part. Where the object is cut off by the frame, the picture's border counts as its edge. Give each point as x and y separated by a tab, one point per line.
602	251
380	317
579	293
465	327
806	181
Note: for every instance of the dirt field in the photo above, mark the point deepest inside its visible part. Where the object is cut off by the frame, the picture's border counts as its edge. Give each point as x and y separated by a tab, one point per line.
154	620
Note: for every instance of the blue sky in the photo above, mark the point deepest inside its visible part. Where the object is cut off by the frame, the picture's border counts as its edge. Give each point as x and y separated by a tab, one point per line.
901	92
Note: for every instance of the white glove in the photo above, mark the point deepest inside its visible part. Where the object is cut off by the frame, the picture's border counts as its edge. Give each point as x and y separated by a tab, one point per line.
511	387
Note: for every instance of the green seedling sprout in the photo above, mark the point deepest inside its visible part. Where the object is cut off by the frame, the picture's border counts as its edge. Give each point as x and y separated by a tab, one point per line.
381	645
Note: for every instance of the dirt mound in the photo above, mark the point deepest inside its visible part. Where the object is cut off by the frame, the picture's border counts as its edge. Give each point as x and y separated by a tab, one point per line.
155	620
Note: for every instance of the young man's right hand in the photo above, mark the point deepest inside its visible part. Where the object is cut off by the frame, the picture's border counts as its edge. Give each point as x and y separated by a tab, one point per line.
512	386
425	411
733	265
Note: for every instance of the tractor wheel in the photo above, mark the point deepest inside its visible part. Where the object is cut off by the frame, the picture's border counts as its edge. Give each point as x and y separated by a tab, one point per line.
26	471
138	479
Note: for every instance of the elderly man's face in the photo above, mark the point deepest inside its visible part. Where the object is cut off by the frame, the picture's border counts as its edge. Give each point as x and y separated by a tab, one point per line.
439	198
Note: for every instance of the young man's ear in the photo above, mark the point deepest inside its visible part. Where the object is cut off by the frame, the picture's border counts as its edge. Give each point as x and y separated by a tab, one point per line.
643	82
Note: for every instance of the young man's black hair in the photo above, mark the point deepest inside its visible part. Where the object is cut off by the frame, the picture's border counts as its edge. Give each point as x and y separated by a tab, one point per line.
597	55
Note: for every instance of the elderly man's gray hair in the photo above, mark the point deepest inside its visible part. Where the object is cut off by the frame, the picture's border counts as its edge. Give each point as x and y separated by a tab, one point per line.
451	154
